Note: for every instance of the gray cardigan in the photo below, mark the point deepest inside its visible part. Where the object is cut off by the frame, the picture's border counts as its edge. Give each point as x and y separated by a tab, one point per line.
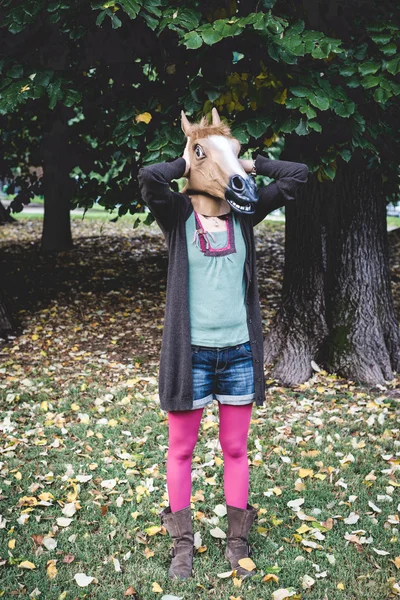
171	209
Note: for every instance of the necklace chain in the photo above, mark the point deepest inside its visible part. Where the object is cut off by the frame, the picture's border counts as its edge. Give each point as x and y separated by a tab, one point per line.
216	220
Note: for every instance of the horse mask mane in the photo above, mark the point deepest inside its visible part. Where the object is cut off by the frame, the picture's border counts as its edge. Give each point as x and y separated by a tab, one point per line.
215	169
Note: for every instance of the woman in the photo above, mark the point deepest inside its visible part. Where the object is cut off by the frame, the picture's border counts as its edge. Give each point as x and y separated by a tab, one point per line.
212	346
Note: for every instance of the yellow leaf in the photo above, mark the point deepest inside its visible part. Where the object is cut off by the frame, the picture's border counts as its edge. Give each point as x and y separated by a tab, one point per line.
218	461
281	97
35	337
321	476
277	491
237	582
270	577
202	549
340	586
299	486
306	473
303	529
51	569
156	587
44	406
268	142
147	552
153	530
396	561
75	406
11	544
26	564
247	564
62	596
144	118
27	501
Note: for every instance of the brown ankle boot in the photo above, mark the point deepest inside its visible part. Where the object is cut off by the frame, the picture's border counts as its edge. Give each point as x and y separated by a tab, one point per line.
179	526
240	521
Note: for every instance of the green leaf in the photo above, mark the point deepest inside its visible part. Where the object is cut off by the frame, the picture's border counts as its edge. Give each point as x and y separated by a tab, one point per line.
302	127
393	66
299	91
381	95
345	154
16	72
240	133
343	109
210	35
55	93
369	68
257	128
315	125
348	71
330	171
116	22
192	40
100	17
381	38
389	49
289	124
152	22
370	81
131	7
321	51
319	101
72	97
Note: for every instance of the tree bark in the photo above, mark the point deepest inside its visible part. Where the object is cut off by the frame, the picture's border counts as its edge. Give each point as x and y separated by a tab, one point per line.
57	184
337	306
364	336
5	217
300	327
7	324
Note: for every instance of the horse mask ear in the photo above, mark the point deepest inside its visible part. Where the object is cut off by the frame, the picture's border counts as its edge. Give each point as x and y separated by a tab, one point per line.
215	117
185	124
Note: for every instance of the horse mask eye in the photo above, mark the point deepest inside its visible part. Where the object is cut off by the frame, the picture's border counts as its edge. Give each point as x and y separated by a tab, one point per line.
198	150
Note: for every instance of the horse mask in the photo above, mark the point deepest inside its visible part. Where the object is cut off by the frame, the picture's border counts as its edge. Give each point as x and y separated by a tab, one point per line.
215	169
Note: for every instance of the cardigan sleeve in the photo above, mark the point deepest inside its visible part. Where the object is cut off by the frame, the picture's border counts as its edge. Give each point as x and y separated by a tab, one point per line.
289	176
154	182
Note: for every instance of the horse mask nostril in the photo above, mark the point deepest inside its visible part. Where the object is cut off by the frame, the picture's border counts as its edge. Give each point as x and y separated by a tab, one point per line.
237	183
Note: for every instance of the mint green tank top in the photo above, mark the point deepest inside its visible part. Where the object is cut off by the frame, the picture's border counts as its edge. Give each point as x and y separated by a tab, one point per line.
218	315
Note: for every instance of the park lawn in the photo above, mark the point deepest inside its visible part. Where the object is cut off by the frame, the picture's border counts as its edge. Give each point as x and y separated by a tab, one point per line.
83	438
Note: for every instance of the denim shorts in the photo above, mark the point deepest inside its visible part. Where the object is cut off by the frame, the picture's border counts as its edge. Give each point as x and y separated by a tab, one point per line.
225	374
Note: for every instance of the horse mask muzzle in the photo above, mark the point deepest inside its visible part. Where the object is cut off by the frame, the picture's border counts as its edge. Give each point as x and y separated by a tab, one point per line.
242	195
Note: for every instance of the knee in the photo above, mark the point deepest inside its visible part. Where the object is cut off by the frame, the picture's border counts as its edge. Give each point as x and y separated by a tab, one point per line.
233	448
181	450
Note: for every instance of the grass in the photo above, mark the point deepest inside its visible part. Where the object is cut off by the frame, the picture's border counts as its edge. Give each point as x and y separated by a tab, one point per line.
70	407
121	435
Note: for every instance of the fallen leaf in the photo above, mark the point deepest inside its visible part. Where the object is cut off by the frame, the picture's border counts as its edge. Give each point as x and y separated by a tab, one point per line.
218	533
26	564
83	580
247	564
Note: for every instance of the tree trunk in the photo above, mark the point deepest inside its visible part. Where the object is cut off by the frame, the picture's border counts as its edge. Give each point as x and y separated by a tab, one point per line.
364	336
5	217
57	184
7	324
300	327
337	307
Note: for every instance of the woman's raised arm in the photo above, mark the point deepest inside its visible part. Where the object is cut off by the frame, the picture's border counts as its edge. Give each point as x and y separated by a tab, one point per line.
289	176
154	182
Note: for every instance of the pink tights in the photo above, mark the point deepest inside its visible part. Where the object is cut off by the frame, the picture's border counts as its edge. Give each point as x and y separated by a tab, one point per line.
183	433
